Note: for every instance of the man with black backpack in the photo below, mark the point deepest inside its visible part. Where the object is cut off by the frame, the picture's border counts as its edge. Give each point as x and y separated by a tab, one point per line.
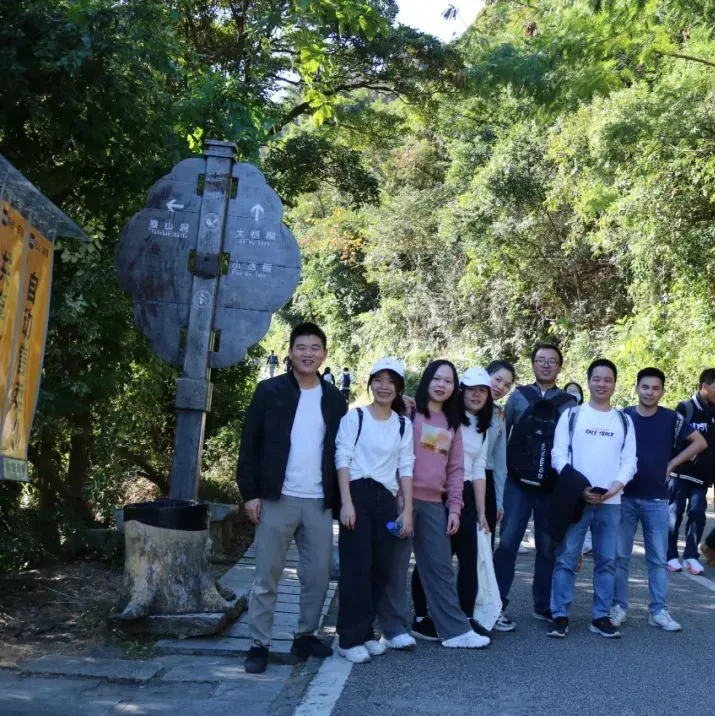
689	483
531	414
596	444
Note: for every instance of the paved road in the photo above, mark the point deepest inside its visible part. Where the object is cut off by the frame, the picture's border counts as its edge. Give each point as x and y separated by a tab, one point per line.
524	673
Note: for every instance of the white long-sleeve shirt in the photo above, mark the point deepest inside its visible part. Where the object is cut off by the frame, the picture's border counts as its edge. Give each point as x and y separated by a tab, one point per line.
599	452
476	450
380	453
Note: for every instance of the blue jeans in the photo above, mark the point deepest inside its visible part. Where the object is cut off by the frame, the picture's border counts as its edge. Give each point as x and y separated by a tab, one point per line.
604	521
653	515
680	493
519	503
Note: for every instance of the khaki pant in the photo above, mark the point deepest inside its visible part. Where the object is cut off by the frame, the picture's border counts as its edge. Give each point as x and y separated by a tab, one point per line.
312	527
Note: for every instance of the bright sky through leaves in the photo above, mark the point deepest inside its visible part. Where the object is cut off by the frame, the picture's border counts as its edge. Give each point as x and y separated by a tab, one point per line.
426	15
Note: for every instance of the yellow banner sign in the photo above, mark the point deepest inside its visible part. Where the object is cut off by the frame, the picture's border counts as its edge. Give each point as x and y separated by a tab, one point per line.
23	325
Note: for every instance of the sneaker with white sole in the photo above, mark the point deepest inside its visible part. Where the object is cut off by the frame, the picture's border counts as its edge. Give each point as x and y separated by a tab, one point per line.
503	623
674	565
375	648
468	640
399	642
694	567
663	620
355	654
617	615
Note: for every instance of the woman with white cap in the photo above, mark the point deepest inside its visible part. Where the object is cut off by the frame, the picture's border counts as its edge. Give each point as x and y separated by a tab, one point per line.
476	410
374	445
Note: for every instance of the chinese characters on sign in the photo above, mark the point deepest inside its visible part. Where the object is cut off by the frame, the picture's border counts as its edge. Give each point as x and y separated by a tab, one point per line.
25	280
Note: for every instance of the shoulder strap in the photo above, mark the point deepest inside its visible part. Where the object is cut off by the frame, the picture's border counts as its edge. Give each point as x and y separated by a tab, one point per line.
529	392
677	428
360	417
573	416
402	425
624	421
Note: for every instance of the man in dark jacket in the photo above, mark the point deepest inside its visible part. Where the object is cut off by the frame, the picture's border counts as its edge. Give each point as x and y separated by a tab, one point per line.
287	477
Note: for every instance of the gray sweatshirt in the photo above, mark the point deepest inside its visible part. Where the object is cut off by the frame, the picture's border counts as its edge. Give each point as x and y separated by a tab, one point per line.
496	457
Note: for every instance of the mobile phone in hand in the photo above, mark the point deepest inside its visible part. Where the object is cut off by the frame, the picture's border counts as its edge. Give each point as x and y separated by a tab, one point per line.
599	490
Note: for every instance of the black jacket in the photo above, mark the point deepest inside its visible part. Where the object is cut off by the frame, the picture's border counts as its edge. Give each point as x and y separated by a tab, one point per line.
265	442
567	503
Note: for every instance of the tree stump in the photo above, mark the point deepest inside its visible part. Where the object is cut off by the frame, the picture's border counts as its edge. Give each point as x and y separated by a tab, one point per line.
166	567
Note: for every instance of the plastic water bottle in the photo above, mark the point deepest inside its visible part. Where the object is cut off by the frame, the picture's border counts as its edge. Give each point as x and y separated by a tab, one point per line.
394	528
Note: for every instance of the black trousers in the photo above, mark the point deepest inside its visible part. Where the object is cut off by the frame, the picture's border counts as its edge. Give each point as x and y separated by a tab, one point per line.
464	545
710	539
367	558
490	508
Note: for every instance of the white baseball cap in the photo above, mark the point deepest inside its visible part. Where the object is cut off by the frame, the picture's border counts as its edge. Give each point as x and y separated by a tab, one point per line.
475	376
388	363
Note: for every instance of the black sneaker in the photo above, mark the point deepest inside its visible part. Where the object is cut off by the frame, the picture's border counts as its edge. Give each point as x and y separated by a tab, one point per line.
309	645
477	627
544	616
604	627
424	629
503	623
256	659
559	628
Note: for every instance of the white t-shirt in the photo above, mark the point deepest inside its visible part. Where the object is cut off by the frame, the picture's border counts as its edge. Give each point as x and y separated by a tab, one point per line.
380	453
304	474
597	443
476	448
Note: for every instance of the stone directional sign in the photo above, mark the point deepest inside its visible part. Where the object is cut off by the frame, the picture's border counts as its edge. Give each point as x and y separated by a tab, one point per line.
260	262
206	263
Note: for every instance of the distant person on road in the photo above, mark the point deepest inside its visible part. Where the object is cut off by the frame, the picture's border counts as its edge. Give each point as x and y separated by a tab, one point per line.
595	444
476	410
272	363
530	419
345	381
659	432
287	477
328	377
689	484
374	450
438	485
287	364
503	377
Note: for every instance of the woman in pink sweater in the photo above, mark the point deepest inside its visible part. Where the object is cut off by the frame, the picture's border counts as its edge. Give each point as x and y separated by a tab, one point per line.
438	483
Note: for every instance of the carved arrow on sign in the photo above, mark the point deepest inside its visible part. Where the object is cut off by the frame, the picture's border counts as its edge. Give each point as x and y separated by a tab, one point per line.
257	211
172	206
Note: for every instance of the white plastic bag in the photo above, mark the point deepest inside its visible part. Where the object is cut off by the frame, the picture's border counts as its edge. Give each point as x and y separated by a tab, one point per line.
488	605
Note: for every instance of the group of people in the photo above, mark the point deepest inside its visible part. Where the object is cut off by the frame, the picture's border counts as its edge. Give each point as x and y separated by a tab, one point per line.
425	474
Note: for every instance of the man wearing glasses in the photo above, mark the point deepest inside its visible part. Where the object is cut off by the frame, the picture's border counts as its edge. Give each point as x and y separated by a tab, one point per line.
531	415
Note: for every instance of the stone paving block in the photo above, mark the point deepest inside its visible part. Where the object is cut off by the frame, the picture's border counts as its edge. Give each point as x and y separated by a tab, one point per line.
241	630
112	669
221	670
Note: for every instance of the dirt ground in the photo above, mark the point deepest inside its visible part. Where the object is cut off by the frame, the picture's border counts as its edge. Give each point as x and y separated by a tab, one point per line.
63	609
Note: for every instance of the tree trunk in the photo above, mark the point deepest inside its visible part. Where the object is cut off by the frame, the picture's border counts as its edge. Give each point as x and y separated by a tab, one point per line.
166	571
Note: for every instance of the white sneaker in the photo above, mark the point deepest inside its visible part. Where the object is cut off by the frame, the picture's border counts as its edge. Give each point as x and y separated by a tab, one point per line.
356	654
468	640
617	615
663	620
375	648
587	543
401	641
694	567
674	565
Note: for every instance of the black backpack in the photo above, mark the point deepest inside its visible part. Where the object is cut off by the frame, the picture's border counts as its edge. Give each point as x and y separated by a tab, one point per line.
345	381
532	437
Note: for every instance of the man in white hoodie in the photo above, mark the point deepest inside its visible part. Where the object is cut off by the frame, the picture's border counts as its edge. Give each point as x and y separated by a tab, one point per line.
599	442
